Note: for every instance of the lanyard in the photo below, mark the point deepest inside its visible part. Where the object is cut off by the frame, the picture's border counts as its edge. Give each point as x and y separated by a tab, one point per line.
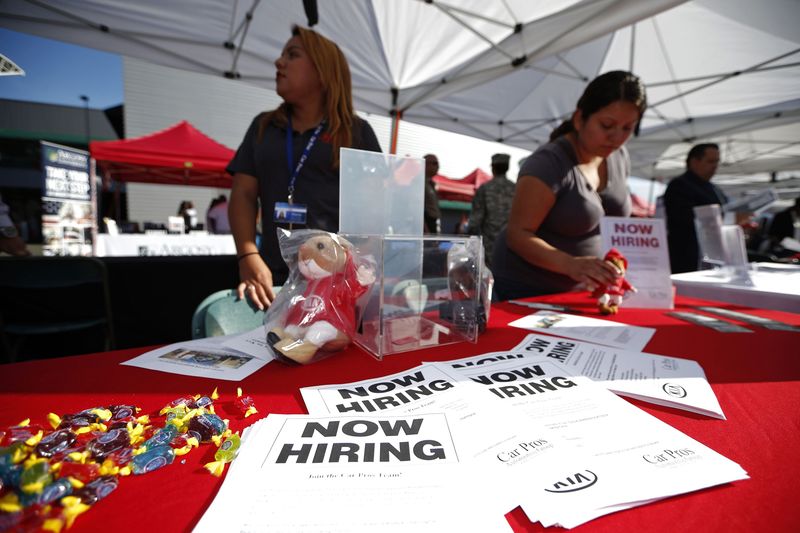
290	152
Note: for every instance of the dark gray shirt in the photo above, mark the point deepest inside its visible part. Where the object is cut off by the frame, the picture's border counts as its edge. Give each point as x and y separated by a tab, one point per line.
573	223
316	187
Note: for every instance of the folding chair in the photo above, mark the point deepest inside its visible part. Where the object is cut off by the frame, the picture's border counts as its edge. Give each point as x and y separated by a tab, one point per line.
64	297
222	313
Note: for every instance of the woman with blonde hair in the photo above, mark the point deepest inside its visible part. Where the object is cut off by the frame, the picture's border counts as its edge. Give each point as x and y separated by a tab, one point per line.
289	159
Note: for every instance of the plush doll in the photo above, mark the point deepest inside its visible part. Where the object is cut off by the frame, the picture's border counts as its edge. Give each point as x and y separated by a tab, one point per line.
322	319
611	296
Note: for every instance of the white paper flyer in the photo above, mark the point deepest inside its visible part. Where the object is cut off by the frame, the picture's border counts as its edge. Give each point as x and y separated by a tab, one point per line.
507	447
643	242
205	358
635	457
349	474
660	379
584	328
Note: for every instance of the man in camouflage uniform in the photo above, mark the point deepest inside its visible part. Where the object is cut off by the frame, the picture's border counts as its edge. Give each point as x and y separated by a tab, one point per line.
492	204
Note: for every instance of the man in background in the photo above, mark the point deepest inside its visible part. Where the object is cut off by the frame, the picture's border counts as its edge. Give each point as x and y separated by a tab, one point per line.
685	192
10	241
491	205
786	223
433	216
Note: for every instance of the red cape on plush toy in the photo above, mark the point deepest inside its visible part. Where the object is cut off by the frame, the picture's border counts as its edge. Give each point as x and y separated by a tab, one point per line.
610	296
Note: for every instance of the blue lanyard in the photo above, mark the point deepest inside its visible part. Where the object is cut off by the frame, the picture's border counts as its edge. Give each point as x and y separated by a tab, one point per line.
290	152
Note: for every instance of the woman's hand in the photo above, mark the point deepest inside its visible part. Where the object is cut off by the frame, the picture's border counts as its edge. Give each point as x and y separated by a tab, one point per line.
592	271
256	281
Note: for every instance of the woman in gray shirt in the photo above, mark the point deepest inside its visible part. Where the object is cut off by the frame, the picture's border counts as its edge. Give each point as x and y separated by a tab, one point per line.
552	239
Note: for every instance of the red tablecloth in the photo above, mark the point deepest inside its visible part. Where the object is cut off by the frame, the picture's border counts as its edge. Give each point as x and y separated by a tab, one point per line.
756	377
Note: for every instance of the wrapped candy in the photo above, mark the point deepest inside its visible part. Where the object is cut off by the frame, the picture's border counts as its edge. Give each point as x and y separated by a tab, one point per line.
97	489
183	444
161	437
50	476
24	432
56	442
107	443
152	459
245	404
226	453
83	472
49	493
35	475
121	415
205	426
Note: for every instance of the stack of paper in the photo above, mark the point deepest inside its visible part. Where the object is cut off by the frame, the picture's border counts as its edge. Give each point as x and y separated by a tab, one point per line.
457	445
563	447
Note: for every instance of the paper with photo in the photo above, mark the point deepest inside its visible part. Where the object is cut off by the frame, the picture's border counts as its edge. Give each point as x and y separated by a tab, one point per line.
633	456
660	379
252	342
355	474
584	328
205	358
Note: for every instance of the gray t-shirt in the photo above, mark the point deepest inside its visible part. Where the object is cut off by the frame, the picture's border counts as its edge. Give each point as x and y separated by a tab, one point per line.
573	223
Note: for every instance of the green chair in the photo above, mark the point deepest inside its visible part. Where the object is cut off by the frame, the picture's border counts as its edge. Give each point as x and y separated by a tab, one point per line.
222	313
63	299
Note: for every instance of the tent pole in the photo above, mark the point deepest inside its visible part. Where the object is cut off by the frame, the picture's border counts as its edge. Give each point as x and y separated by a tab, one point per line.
397	115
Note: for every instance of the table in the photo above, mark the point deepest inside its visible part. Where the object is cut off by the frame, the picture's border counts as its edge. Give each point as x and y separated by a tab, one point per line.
756	377
774	286
157	244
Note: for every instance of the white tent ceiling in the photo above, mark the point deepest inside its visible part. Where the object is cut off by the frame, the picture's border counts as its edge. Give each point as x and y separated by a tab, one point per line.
722	70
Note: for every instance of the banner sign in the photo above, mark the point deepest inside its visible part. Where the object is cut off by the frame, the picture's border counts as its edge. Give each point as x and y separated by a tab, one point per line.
643	242
68	207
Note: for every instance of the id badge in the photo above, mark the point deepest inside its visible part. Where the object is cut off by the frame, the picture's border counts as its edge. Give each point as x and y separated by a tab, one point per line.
287	213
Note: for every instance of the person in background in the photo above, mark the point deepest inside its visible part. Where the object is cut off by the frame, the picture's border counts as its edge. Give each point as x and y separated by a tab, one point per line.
315	120
491	205
786	223
10	241
217	216
189	214
552	241
685	192
433	216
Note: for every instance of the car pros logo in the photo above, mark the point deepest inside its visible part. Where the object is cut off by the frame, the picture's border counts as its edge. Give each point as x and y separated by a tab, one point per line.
575	482
674	390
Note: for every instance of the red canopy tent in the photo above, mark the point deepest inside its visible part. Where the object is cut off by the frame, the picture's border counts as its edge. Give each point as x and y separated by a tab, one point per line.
463	189
178	155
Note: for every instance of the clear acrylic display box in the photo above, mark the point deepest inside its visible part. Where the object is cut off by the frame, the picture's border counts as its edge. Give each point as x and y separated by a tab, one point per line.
427	292
380	194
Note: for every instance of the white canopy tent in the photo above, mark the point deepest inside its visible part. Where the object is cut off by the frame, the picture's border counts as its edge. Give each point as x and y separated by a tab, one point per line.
505	70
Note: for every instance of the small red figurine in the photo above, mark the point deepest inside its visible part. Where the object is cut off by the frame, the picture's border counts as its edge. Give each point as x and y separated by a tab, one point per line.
610	296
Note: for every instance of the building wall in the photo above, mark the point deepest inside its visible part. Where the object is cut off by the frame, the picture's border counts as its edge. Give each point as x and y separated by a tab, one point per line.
157	97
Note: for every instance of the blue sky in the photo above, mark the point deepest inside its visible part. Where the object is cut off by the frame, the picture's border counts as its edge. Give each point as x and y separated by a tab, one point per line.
58	73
